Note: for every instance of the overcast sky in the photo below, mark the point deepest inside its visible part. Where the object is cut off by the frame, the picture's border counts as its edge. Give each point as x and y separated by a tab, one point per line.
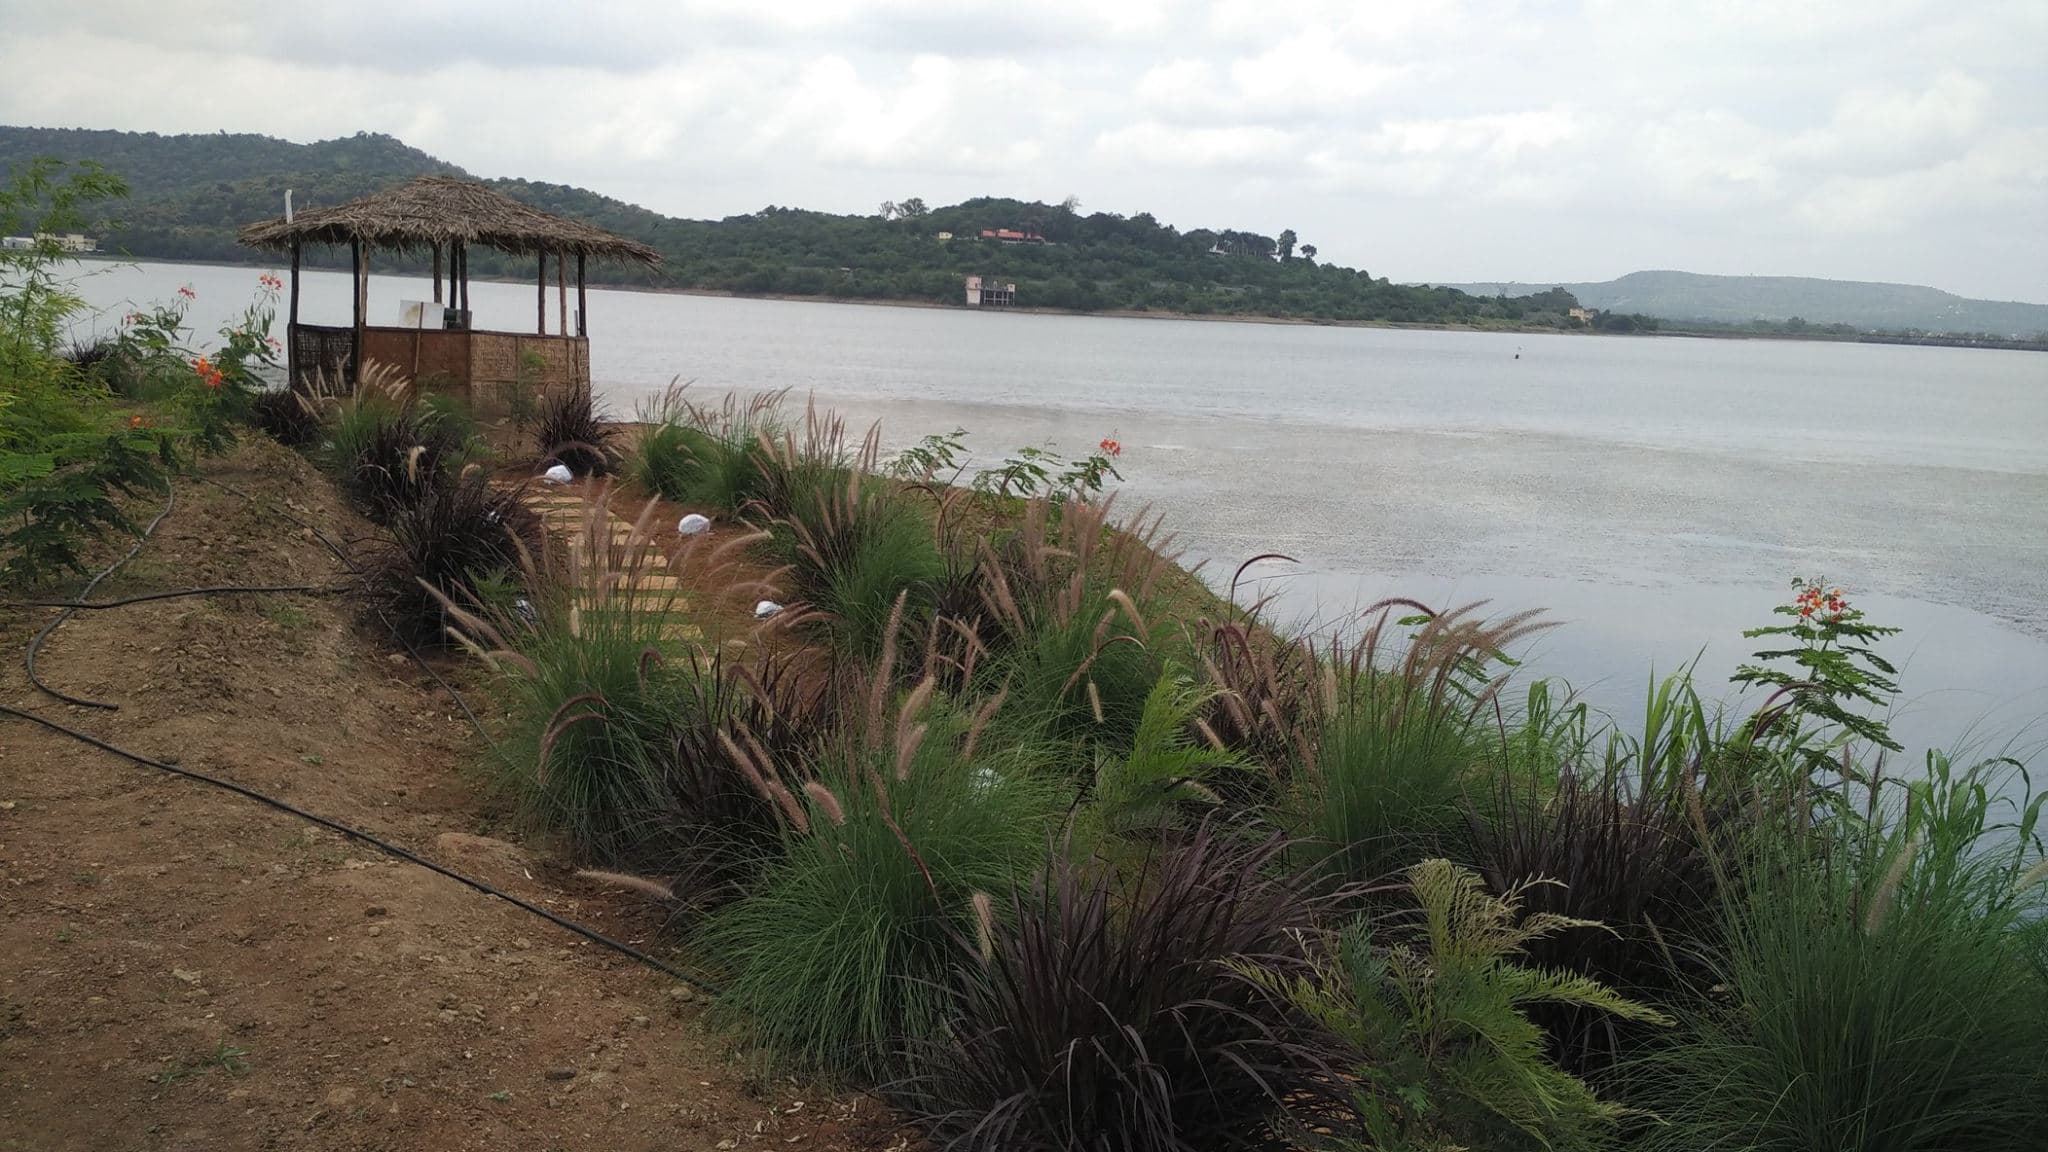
1423	140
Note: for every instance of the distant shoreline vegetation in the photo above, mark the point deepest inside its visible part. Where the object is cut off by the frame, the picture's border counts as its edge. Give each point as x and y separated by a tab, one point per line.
190	194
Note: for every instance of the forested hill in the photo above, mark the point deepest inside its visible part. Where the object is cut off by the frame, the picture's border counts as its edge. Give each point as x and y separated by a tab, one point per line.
1798	300
191	193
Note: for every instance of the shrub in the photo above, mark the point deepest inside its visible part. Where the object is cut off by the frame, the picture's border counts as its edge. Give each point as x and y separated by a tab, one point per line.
1884	987
1397	745
1097	1013
286	416
1431	1029
571	429
833	952
457	532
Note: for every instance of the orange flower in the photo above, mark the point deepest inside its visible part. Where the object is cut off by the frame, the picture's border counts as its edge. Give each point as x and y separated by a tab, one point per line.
187	292
208	374
135	421
271	282
1111	446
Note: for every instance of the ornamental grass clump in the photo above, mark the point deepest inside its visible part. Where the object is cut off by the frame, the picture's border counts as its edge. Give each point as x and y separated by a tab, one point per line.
1075	623
835	954
1095	1008
1633	839
387	451
703	456
852	551
572	430
459	535
1399	737
602	684
1882	981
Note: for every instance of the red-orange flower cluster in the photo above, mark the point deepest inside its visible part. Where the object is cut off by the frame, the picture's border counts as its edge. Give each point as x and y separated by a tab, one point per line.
208	374
135	422
187	292
271	282
1814	601
1111	446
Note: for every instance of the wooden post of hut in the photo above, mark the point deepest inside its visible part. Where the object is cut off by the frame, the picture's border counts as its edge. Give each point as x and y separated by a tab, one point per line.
443	213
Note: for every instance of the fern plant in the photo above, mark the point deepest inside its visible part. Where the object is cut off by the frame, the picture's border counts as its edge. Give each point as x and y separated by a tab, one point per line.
1166	766
1432	1029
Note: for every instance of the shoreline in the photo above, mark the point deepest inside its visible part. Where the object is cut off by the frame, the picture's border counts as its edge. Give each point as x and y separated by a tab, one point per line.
1931	341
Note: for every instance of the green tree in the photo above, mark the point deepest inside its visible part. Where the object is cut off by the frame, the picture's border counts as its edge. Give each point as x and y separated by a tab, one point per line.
1286	244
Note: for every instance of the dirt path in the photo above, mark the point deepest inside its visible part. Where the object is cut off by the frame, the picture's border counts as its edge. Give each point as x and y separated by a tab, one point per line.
182	968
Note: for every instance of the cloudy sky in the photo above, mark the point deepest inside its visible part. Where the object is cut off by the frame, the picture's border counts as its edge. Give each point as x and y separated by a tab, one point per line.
1421	139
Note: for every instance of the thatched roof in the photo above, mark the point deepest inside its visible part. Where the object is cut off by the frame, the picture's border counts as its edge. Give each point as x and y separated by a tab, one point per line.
431	210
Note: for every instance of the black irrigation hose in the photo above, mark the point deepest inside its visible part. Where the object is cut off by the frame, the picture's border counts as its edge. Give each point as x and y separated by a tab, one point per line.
349	563
384	846
173	594
35	645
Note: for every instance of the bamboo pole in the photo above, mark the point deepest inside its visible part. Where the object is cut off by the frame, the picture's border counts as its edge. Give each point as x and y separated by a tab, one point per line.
540	308
291	327
437	272
356	265
582	301
561	295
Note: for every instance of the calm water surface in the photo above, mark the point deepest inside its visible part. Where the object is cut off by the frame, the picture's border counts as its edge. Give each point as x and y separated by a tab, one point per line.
1655	495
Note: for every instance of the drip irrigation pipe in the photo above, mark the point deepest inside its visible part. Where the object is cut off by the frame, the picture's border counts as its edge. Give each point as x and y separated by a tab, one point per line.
173	594
35	645
358	834
410	650
347	831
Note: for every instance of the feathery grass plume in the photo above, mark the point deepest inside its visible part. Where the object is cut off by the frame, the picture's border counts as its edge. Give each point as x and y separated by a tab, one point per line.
1928	1032
831	952
653	889
1402	739
1076	665
1425	1017
826	802
1099	1013
702	455
853	546
387	453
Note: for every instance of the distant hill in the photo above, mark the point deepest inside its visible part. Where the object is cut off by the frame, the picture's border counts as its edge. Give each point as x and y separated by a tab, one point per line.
191	193
1692	297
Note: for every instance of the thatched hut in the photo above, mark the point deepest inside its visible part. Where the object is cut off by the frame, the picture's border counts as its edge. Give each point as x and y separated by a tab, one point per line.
435	346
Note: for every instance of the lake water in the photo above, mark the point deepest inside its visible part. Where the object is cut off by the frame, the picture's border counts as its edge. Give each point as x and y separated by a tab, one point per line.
1656	496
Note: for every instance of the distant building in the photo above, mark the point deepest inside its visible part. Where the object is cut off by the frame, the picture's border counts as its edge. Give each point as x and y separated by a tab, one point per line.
1581	314
945	236
17	243
71	241
1012	236
988	292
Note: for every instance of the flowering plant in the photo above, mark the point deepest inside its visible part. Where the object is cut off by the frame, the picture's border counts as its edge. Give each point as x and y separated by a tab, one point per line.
1834	668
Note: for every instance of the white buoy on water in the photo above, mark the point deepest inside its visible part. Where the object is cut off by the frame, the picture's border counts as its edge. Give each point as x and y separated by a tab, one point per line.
558	474
765	609
694	525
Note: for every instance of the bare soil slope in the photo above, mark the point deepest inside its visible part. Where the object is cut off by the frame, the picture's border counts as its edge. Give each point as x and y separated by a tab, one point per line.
183	968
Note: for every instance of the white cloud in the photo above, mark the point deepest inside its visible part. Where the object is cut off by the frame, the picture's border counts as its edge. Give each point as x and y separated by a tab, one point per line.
1437	139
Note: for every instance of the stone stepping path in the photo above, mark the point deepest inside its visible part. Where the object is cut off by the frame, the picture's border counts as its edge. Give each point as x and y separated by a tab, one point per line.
654	588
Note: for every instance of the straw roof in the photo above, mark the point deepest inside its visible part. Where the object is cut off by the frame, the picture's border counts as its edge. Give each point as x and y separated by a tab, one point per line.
431	210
